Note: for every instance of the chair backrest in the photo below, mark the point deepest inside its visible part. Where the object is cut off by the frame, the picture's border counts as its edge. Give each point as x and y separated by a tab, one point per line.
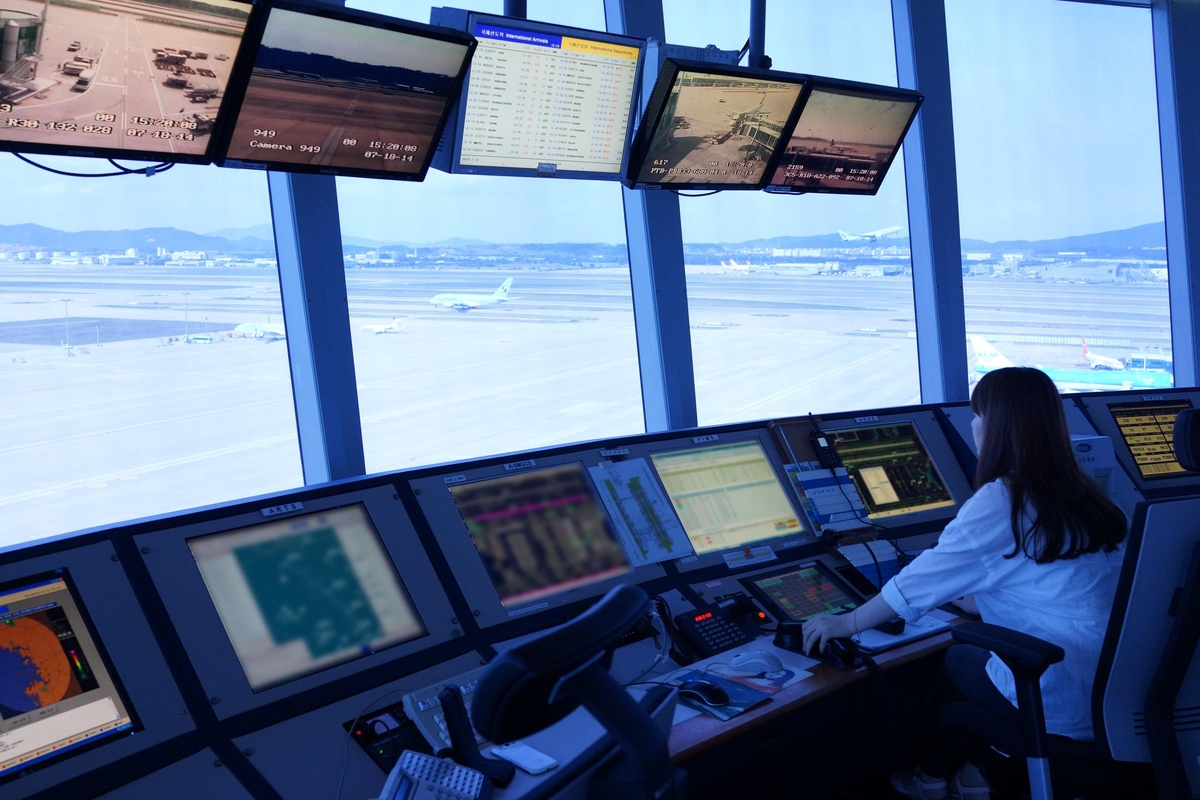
1187	439
1157	558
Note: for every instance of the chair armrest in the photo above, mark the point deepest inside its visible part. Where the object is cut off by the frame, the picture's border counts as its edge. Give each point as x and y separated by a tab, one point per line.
1020	651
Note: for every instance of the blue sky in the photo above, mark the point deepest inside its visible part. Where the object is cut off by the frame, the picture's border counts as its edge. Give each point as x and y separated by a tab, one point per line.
1055	120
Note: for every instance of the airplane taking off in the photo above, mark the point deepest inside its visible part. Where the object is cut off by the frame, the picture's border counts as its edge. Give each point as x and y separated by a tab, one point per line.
988	358
396	326
1097	361
873	236
267	331
465	302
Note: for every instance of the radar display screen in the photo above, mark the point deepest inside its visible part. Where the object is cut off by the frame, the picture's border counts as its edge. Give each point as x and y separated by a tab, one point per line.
58	694
540	533
108	77
304	593
844	141
1149	432
331	93
547	101
712	127
891	469
802	593
726	496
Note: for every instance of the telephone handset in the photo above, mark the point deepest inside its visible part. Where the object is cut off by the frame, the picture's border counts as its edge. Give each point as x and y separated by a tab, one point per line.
826	455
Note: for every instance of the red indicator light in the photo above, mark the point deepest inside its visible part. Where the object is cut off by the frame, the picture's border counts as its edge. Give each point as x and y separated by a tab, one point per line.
704	616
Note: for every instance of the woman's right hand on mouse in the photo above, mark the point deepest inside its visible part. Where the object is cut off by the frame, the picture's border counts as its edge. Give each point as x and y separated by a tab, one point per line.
819	630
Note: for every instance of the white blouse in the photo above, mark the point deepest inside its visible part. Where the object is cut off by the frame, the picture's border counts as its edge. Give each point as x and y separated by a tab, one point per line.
1066	602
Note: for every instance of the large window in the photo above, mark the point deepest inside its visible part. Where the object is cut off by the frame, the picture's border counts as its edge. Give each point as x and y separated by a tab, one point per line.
800	303
142	362
1060	190
555	362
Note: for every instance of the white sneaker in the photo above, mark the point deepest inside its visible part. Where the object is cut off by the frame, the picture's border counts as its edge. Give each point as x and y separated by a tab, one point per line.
960	791
909	783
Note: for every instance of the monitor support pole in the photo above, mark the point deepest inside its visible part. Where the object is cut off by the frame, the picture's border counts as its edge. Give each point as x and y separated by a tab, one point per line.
758	35
516	8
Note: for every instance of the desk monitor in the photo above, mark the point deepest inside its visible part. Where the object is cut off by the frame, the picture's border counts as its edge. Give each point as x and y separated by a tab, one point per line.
726	495
305	593
540	533
799	593
59	694
712	126
891	469
846	138
545	101
346	93
144	80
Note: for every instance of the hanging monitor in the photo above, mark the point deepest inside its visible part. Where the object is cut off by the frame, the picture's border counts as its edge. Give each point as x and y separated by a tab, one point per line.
540	533
726	495
544	100
58	692
709	126
891	469
1148	430
846	138
304	593
145	80
346	93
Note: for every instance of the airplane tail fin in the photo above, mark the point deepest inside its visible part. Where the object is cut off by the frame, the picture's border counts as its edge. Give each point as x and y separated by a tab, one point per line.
504	287
1085	350
846	237
988	357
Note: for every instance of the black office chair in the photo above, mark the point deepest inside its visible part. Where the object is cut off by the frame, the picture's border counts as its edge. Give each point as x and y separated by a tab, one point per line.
536	684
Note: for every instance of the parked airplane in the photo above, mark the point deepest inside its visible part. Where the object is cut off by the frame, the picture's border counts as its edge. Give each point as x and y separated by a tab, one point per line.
268	331
465	302
1097	361
736	268
873	236
396	326
988	358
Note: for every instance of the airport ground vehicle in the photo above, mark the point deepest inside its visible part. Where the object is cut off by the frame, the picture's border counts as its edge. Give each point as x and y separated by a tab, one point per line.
84	81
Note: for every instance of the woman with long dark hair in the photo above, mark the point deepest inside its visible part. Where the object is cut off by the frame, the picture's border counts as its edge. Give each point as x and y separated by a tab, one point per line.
1036	549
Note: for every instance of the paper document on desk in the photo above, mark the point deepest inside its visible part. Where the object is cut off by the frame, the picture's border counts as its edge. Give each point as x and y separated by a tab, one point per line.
873	641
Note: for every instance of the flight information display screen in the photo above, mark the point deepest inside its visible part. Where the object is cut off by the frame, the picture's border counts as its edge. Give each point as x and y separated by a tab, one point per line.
302	594
713	128
540	532
1148	429
726	495
547	102
802	593
145	78
844	141
334	94
58	694
891	469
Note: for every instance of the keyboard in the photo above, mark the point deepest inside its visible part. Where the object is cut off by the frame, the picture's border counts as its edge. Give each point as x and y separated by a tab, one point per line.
425	709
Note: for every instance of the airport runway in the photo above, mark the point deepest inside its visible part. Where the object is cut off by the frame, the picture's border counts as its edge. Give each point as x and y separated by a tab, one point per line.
151	425
325	119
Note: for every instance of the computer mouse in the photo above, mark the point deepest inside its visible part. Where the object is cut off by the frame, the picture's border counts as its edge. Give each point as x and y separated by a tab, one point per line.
756	660
705	692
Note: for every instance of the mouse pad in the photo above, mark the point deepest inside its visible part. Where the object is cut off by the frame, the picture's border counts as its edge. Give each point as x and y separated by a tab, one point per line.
741	697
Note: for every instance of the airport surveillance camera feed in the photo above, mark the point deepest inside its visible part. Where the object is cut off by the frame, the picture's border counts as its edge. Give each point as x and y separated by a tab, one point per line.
336	94
843	142
718	129
136	75
540	533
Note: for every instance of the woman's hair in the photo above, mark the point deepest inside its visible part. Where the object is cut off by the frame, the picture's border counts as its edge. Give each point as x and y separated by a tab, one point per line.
1025	442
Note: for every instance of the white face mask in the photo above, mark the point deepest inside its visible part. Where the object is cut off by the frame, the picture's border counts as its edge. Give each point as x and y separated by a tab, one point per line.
977	432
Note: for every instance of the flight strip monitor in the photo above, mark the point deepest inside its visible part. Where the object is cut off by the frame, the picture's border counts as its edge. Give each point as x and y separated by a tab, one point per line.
846	138
711	126
547	101
802	592
59	694
726	495
1148	429
891	469
302	594
540	533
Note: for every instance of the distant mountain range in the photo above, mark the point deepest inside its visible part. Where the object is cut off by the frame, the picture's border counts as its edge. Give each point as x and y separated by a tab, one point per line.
258	240
331	67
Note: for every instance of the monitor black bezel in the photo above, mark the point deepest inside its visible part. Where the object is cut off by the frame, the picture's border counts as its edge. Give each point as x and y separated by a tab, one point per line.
229	107
118	686
475	17
352	16
750	584
859	89
652	115
594	492
350	659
